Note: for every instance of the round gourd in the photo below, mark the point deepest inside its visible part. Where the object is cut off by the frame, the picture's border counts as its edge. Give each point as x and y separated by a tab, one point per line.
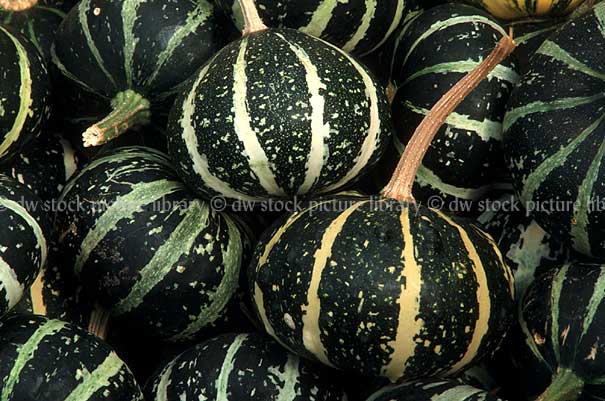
562	317
160	261
131	53
518	9
241	367
277	113
435	50
432	390
44	166
552	138
24	92
529	36
50	360
23	241
356	26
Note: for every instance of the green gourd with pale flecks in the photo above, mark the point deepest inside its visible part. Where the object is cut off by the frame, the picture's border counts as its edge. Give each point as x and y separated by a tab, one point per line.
432	390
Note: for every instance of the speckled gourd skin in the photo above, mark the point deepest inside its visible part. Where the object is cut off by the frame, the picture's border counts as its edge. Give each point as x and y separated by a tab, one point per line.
562	316
276	114
357	26
24	92
242	367
432	390
428	56
329	283
519	9
158	259
108	47
553	134
49	360
529	35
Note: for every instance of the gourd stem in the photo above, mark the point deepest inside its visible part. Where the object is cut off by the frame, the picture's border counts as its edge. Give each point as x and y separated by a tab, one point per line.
99	320
17	5
129	109
402	181
565	386
253	22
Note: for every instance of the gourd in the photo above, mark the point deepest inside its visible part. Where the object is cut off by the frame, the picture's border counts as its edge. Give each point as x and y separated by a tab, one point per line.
241	367
358	27
156	259
518	9
130	53
432	390
50	360
529	36
429	54
275	114
24	93
552	134
383	286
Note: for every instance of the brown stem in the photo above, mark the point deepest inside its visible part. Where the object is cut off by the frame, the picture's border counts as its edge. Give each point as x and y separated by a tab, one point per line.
253	22
99	320
17	5
402	181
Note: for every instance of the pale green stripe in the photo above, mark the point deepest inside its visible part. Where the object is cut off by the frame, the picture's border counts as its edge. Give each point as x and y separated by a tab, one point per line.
194	20
129	18
513	115
551	49
32	222
595	300
529	340
97	379
321	18
166	256
32	36
25	96
26	352
555	298
161	389
456	393
123	208
289	377
381	392
397	17
520	40
537	177
465	66
395	47
362	29
599	12
579	231
64	71
53	10
232	258
82	7
222	382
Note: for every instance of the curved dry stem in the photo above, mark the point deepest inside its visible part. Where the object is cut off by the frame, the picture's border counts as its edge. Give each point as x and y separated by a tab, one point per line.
253	22
99	321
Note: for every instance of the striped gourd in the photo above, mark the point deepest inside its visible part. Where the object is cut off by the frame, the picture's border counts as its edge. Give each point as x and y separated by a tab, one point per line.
158	259
518	9
277	114
356	26
527	249
247	367
23	241
38	22
429	55
432	390
24	92
553	134
562	315
131	54
44	166
529	36
50	360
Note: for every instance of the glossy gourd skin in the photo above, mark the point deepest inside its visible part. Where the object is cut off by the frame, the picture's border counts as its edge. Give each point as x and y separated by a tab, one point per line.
553	134
158	259
518	9
277	114
428	56
432	390
242	367
50	360
24	92
357	26
329	283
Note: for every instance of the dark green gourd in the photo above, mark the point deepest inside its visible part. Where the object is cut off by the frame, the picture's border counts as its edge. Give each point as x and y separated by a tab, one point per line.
529	36
50	360
134	54
24	92
432	390
160	261
553	138
384	286
277	113
23	241
562	316
428	55
356	26
34	20
247	367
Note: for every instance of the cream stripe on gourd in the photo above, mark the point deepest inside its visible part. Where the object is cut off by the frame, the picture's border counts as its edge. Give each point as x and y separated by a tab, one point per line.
129	17
17	208
320	18
289	377
394	24
97	379
596	299
553	50
161	391
501	72
9	281
363	28
555	296
222	381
